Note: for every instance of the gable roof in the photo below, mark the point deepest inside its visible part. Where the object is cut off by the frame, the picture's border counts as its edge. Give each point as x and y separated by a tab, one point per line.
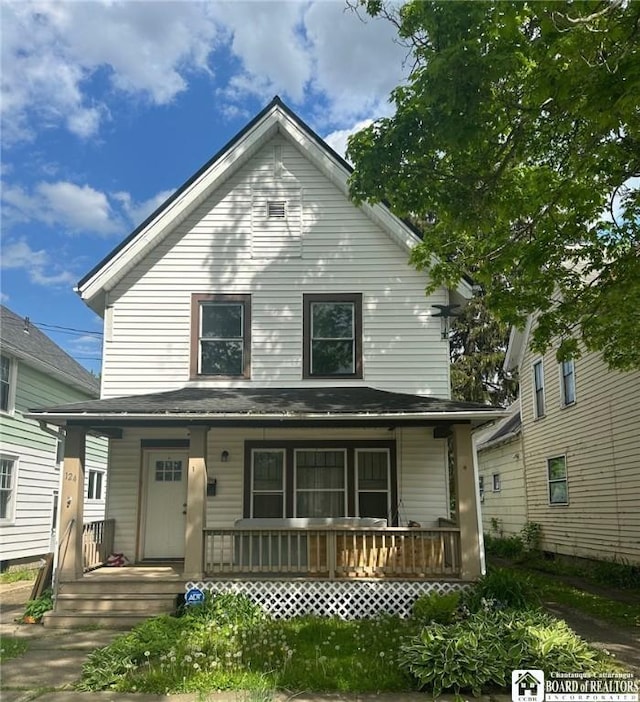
506	429
275	118
356	405
23	340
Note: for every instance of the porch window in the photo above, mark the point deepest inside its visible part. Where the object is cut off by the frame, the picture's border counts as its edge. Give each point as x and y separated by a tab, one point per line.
7	488
538	389
557	475
268	476
325	478
5	383
320	484
332	336
221	336
373	483
568	380
94	488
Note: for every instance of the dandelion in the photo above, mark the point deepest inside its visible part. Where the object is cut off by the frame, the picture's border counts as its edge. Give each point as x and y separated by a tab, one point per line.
147	654
188	659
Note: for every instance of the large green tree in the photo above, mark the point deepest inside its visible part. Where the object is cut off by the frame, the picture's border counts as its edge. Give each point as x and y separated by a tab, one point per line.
517	135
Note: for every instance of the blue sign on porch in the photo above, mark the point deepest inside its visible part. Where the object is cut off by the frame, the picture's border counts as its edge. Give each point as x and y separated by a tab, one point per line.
194	597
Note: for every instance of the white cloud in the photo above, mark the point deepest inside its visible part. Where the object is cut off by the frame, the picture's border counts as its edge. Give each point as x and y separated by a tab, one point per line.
4	297
337	140
57	57
74	208
51	49
38	264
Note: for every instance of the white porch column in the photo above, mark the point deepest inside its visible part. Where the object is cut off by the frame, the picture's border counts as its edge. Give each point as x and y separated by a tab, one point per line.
466	502
196	502
70	561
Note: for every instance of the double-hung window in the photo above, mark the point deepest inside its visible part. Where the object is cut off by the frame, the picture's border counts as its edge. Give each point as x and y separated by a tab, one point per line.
321	483
496	483
221	336
5	383
332	330
557	477
7	488
267	483
373	488
568	380
94	487
538	388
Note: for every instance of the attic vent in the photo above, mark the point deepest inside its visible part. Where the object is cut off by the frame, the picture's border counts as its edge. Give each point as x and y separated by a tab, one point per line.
276	209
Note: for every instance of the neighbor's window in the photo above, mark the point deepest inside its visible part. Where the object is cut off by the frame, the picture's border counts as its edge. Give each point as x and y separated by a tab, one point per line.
333	336
538	388
557	475
7	487
481	486
221	336
60	442
94	489
568	371
320	483
5	383
497	486
267	483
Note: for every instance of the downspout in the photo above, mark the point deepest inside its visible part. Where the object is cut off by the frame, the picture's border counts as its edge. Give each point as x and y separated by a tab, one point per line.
483	562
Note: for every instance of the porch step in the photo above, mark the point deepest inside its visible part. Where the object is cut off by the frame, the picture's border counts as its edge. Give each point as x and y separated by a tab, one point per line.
151	603
123	586
90	620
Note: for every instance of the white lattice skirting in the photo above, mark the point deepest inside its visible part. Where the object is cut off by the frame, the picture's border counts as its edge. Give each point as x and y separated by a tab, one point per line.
353	599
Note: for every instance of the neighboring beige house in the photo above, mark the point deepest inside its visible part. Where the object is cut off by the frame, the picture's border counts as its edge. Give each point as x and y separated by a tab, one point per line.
501	480
581	440
276	389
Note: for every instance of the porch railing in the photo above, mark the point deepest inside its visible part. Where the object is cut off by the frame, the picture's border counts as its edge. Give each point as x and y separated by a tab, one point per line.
393	552
97	542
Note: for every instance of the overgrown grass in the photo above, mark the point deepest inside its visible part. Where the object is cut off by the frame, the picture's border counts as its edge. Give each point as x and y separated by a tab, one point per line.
14	576
10	647
229	643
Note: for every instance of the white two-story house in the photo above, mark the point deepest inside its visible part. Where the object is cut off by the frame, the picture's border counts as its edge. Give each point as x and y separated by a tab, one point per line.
276	384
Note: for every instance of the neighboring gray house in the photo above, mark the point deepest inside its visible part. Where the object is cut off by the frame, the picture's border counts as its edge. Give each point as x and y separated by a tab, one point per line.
36	372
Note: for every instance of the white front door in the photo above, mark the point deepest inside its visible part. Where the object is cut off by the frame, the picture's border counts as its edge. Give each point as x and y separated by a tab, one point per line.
166	503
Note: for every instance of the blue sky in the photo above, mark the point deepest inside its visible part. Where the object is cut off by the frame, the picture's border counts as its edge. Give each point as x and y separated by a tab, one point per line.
107	107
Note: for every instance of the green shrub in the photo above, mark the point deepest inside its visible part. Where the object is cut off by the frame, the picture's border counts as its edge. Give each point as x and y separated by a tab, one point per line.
508	547
479	653
616	573
531	535
36	608
436	608
499	589
226	609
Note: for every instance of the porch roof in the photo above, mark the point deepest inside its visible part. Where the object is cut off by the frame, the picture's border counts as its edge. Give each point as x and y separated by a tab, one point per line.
269	405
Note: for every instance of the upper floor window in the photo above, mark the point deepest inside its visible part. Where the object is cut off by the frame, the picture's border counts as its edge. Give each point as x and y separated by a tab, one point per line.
7	487
221	336
481	486
538	388
568	373
557	476
5	384
497	485
332	330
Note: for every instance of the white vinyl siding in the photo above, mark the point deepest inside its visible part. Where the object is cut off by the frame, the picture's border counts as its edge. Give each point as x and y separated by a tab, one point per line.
600	438
509	505
212	251
421	466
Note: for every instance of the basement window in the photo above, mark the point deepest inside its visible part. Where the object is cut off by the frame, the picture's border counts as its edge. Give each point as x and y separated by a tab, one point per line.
276	209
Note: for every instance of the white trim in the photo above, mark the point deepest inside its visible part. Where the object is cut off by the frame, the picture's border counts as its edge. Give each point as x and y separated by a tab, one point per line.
13	490
13	381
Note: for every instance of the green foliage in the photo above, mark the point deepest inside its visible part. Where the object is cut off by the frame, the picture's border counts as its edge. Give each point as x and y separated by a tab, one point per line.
501	588
37	608
229	643
14	576
517	138
510	547
436	608
10	647
531	535
616	573
478	653
478	342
